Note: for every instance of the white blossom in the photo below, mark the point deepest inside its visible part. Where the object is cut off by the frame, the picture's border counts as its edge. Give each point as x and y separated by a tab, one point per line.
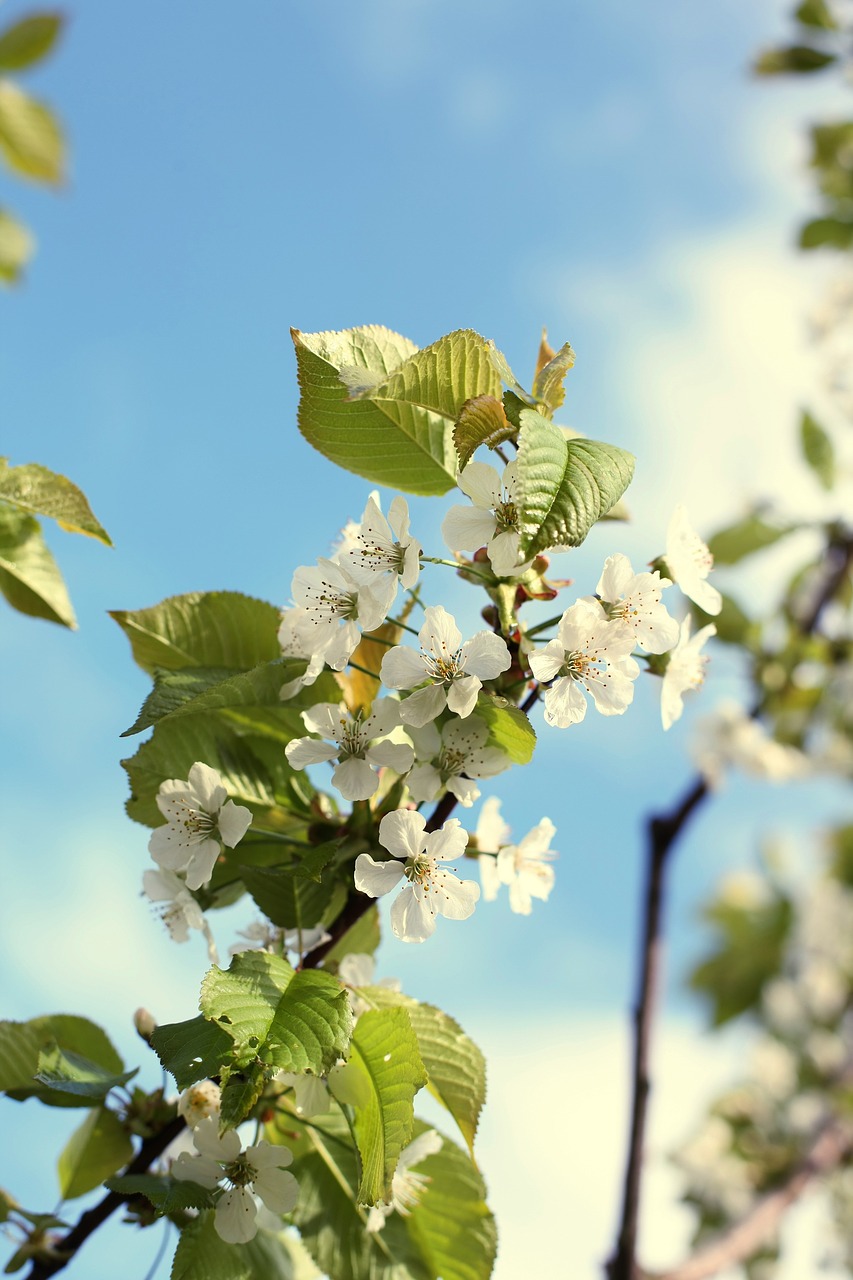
407	1187
337	608
179	910
523	867
685	671
257	1171
360	745
635	600
310	1093
380	546
430	889
492	521
731	738
591	653
455	672
200	819
449	760
294	637
689	561
491	832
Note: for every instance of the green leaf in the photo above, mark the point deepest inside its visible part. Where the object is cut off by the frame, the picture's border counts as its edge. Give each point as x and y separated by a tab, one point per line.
192	1050
835	232
509	728
202	629
734	626
384	1058
452	1225
797	58
455	1067
28	40
289	1021
72	1073
95	1150
746	537
37	491
288	900
166	1194
565	485
749	952
481	420
374	404
240	1092
193	690
548	386
22	1042
331	1224
816	13
29	577
254	771
817	450
202	1255
16	248
31	140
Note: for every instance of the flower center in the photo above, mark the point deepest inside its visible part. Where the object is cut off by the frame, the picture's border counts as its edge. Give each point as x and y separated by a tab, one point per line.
239	1172
506	516
451	762
329	602
353	739
444	667
197	824
382	555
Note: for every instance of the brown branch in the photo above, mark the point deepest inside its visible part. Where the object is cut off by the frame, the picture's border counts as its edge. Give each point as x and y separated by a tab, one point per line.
662	834
65	1248
759	1226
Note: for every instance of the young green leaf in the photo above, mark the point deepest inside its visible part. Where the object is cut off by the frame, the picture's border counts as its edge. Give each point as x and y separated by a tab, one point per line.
817	450
166	1194
202	1255
509	728
289	1021
28	40
192	1050
72	1073
548	385
376	405
29	577
95	1150
22	1042
40	492
202	629
746	537
16	248
31	139
385	1060
565	485
481	420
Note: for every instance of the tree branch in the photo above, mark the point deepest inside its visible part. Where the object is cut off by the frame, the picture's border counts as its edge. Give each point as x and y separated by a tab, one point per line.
832	1145
64	1249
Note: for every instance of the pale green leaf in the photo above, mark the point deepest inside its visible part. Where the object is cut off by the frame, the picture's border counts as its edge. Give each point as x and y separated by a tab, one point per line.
565	485
835	232
548	385
290	900
40	492
22	1042
818	450
72	1073
289	1021
797	58
384	1057
816	13
31	139
196	689
452	1225
16	248
29	577
393	423
241	1089
482	420
455	1067
95	1150
509	728
28	40
202	629
746	537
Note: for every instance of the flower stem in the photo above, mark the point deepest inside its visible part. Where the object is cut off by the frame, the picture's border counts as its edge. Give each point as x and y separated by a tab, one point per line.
364	670
466	568
542	626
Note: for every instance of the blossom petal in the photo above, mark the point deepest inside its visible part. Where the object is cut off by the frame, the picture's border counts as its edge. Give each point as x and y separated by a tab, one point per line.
467	528
207	786
401	832
355	779
398	756
199	869
462	695
425	705
485	655
412	920
375	878
234	821
481	483
402	668
448	843
236	1216
564	703
301	752
439	633
278	1189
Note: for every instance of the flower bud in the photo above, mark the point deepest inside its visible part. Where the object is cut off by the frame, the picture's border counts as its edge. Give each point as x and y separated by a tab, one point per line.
198	1102
145	1023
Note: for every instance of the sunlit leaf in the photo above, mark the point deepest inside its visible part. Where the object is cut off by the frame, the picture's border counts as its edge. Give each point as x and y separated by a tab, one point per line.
31	139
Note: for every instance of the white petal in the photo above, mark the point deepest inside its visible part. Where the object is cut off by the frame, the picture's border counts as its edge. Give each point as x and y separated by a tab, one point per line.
564	703
355	779
301	752
402	668
439	634
614	578
402	833
485	655
492	831
464	789
448	843
236	1216
411	918
208	1141
375	878
325	718
200	1169
467	528
424	705
234	821
424	783
489	879
202	861
481	483
612	692
504	554
545	663
398	756
278	1189
462	695
207	786
455	899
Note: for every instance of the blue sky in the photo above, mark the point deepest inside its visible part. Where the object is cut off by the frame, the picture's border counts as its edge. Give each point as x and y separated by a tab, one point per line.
609	171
